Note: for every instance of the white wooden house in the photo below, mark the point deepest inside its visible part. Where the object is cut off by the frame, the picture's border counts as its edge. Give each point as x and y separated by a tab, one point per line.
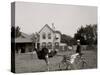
49	38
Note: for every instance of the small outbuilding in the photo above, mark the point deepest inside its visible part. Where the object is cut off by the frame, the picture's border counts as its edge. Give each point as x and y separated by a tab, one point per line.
24	44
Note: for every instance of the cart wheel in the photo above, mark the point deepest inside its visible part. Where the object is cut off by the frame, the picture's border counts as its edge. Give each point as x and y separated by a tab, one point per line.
83	64
62	66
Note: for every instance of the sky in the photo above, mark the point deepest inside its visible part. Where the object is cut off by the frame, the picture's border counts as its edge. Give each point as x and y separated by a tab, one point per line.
31	17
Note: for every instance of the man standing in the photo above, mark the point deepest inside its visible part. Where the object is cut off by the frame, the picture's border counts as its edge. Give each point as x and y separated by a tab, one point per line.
78	50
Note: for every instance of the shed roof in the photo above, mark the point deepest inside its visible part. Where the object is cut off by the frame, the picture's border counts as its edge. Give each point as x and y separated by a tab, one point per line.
23	40
63	44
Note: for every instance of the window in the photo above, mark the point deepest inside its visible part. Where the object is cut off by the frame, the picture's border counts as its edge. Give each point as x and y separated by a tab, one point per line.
44	36
49	36
49	45
43	44
56	45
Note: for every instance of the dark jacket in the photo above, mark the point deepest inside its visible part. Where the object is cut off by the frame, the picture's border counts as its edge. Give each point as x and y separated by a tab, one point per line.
78	50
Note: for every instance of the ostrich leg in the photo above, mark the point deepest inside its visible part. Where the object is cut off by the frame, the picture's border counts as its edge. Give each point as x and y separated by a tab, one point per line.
47	62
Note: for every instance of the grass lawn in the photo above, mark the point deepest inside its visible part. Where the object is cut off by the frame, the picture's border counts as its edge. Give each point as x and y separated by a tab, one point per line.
28	62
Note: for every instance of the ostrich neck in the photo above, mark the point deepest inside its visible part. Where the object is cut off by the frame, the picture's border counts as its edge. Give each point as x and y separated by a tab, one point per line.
37	51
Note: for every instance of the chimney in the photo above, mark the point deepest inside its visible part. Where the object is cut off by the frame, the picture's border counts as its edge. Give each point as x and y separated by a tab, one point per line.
53	27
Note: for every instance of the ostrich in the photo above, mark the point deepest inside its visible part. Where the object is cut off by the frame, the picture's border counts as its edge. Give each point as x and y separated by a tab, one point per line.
44	54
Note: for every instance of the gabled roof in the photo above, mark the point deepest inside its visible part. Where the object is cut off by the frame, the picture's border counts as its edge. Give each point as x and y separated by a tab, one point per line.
46	25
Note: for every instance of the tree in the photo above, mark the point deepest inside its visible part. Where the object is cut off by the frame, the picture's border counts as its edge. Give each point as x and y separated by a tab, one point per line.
36	40
87	35
17	32
66	39
73	42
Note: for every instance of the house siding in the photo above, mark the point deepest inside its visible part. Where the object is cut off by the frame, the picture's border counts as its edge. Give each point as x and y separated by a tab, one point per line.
47	30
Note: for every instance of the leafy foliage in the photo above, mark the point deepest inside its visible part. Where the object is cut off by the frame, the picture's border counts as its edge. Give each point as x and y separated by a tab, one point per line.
15	32
87	35
66	39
